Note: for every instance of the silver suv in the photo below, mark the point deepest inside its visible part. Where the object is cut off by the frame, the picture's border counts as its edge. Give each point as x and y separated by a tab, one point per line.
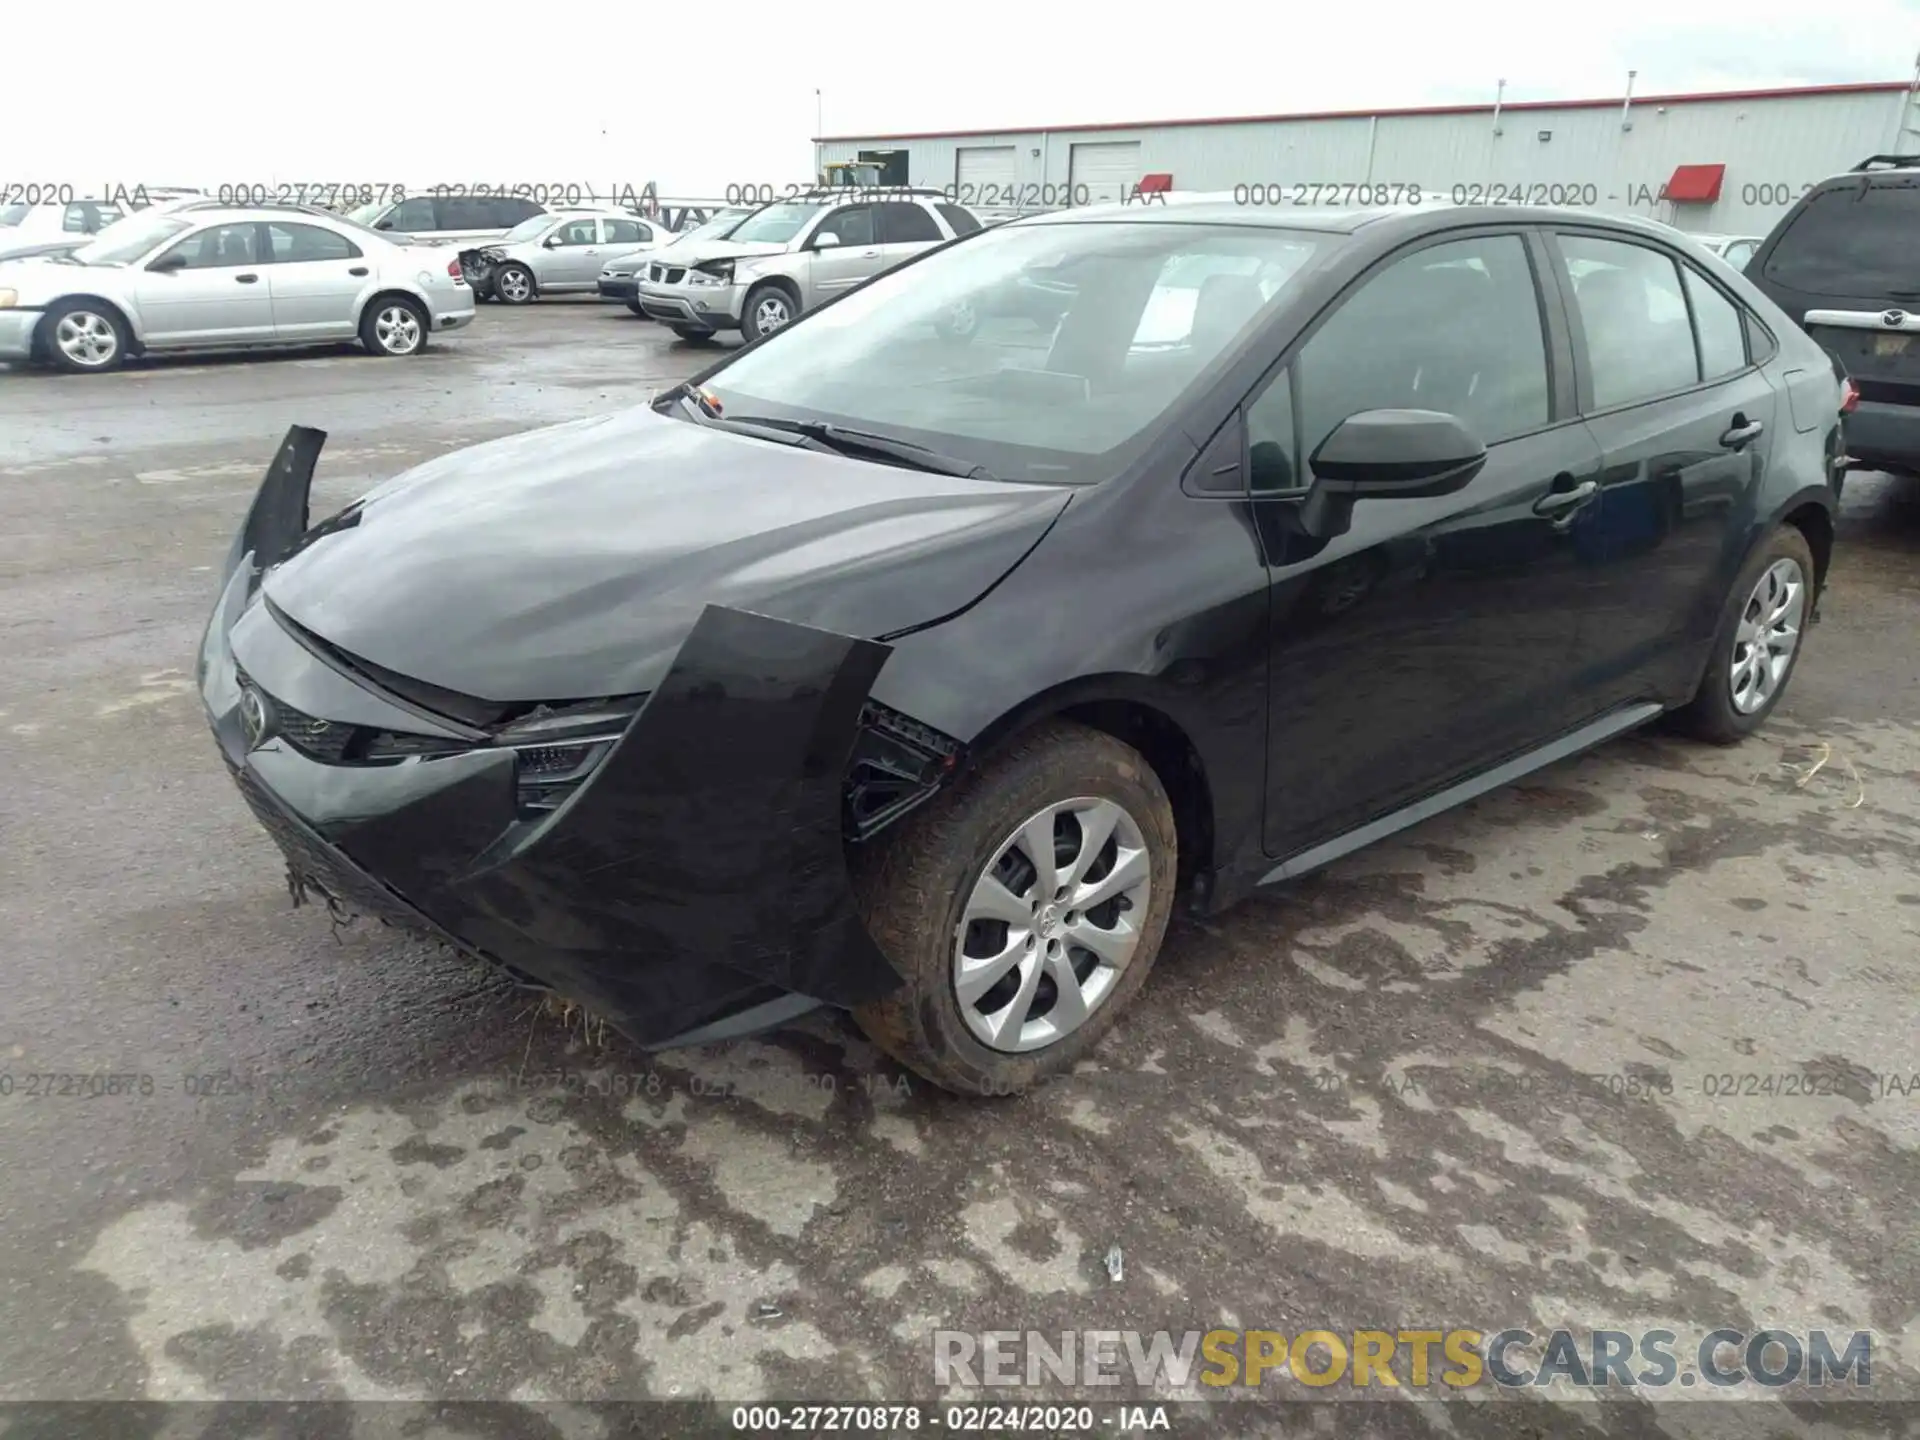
793	255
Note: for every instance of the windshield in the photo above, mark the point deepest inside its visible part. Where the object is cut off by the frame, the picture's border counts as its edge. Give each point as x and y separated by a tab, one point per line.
718	228
532	228
13	214
367	214
131	243
775	224
1037	351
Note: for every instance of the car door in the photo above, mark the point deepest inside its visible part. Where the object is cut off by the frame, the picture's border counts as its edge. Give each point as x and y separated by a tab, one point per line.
850	254
905	230
315	278
208	287
1683	418
571	258
1432	639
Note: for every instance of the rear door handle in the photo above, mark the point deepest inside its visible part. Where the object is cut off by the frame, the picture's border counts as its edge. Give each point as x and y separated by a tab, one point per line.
246	279
1744	432
358	270
1558	502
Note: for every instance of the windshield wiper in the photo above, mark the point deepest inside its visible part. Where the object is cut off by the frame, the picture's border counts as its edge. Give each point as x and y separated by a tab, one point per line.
864	442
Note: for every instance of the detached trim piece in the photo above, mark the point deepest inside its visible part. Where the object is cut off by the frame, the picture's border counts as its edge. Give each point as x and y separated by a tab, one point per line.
278	517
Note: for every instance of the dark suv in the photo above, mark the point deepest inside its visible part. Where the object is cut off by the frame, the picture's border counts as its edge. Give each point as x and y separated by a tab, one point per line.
1845	263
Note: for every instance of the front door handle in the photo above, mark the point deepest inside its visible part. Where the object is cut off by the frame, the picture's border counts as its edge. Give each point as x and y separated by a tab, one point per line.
246	279
869	254
1559	502
358	270
1743	433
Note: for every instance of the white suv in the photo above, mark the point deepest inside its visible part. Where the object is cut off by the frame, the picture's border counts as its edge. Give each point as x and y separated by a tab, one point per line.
792	255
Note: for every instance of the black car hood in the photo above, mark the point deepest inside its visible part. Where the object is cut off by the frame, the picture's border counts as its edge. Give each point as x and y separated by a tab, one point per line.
570	562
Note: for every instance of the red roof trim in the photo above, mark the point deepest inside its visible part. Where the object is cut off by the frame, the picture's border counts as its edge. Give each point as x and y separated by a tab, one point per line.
1871	87
1695	184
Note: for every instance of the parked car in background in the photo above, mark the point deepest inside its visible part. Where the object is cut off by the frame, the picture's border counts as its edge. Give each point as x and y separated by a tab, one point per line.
23	226
226	278
558	253
619	276
160	203
1842	262
446	219
1299	532
790	256
1736	250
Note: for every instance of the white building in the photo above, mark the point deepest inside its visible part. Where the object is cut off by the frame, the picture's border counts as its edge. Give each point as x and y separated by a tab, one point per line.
1721	163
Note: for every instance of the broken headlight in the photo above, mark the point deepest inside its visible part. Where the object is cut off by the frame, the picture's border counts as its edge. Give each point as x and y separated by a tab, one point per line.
558	747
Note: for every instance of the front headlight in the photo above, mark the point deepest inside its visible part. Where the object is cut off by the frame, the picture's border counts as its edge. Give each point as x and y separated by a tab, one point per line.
558	749
9	299
720	272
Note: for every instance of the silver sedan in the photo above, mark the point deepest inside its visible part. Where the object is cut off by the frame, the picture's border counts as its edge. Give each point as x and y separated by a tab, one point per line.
227	279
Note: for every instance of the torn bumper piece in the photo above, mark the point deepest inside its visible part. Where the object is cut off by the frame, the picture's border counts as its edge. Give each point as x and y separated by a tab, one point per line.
694	887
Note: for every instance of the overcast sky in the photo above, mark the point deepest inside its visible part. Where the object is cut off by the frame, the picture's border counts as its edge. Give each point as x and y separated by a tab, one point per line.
697	97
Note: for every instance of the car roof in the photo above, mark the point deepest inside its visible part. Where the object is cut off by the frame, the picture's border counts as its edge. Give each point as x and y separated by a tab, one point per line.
1414	219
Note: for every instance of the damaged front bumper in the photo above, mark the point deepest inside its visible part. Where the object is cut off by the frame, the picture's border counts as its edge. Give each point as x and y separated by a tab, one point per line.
693	887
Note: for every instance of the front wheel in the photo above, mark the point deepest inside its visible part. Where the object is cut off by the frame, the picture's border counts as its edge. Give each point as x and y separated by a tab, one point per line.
636	307
768	309
84	337
691	334
513	284
1757	644
1023	908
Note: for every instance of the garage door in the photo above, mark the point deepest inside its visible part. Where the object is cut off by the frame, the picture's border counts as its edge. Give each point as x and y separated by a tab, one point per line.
986	174
1108	171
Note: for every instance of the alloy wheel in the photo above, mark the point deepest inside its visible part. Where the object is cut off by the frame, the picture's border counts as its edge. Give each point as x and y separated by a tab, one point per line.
1768	635
771	313
398	330
87	339
1051	924
515	286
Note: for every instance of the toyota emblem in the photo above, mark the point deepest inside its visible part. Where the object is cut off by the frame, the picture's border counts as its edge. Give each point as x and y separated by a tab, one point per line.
253	716
1893	319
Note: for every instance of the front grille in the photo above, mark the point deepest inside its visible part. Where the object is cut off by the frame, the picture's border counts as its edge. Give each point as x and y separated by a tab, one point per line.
667	274
325	740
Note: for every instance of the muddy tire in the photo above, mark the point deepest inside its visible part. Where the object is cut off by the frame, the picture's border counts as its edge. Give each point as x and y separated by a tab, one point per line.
985	1008
1762	632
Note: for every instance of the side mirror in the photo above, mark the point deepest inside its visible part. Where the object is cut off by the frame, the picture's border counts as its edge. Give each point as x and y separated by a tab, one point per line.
167	264
1388	454
384	225
552	242
825	239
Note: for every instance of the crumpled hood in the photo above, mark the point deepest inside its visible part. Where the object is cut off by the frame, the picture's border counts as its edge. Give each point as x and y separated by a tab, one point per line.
705	250
570	562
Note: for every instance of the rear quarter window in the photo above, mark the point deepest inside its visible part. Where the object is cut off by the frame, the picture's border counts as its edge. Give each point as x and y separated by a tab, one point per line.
1851	240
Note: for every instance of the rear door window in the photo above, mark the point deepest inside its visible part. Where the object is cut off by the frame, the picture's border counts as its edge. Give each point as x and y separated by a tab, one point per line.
906	224
1638	332
1852	241
412	214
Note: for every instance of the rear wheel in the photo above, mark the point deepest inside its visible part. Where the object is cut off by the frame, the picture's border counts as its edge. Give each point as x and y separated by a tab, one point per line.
394	326
513	284
1024	908
1758	642
84	337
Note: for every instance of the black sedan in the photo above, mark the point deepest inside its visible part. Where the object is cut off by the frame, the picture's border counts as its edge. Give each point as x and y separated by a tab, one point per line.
921	678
